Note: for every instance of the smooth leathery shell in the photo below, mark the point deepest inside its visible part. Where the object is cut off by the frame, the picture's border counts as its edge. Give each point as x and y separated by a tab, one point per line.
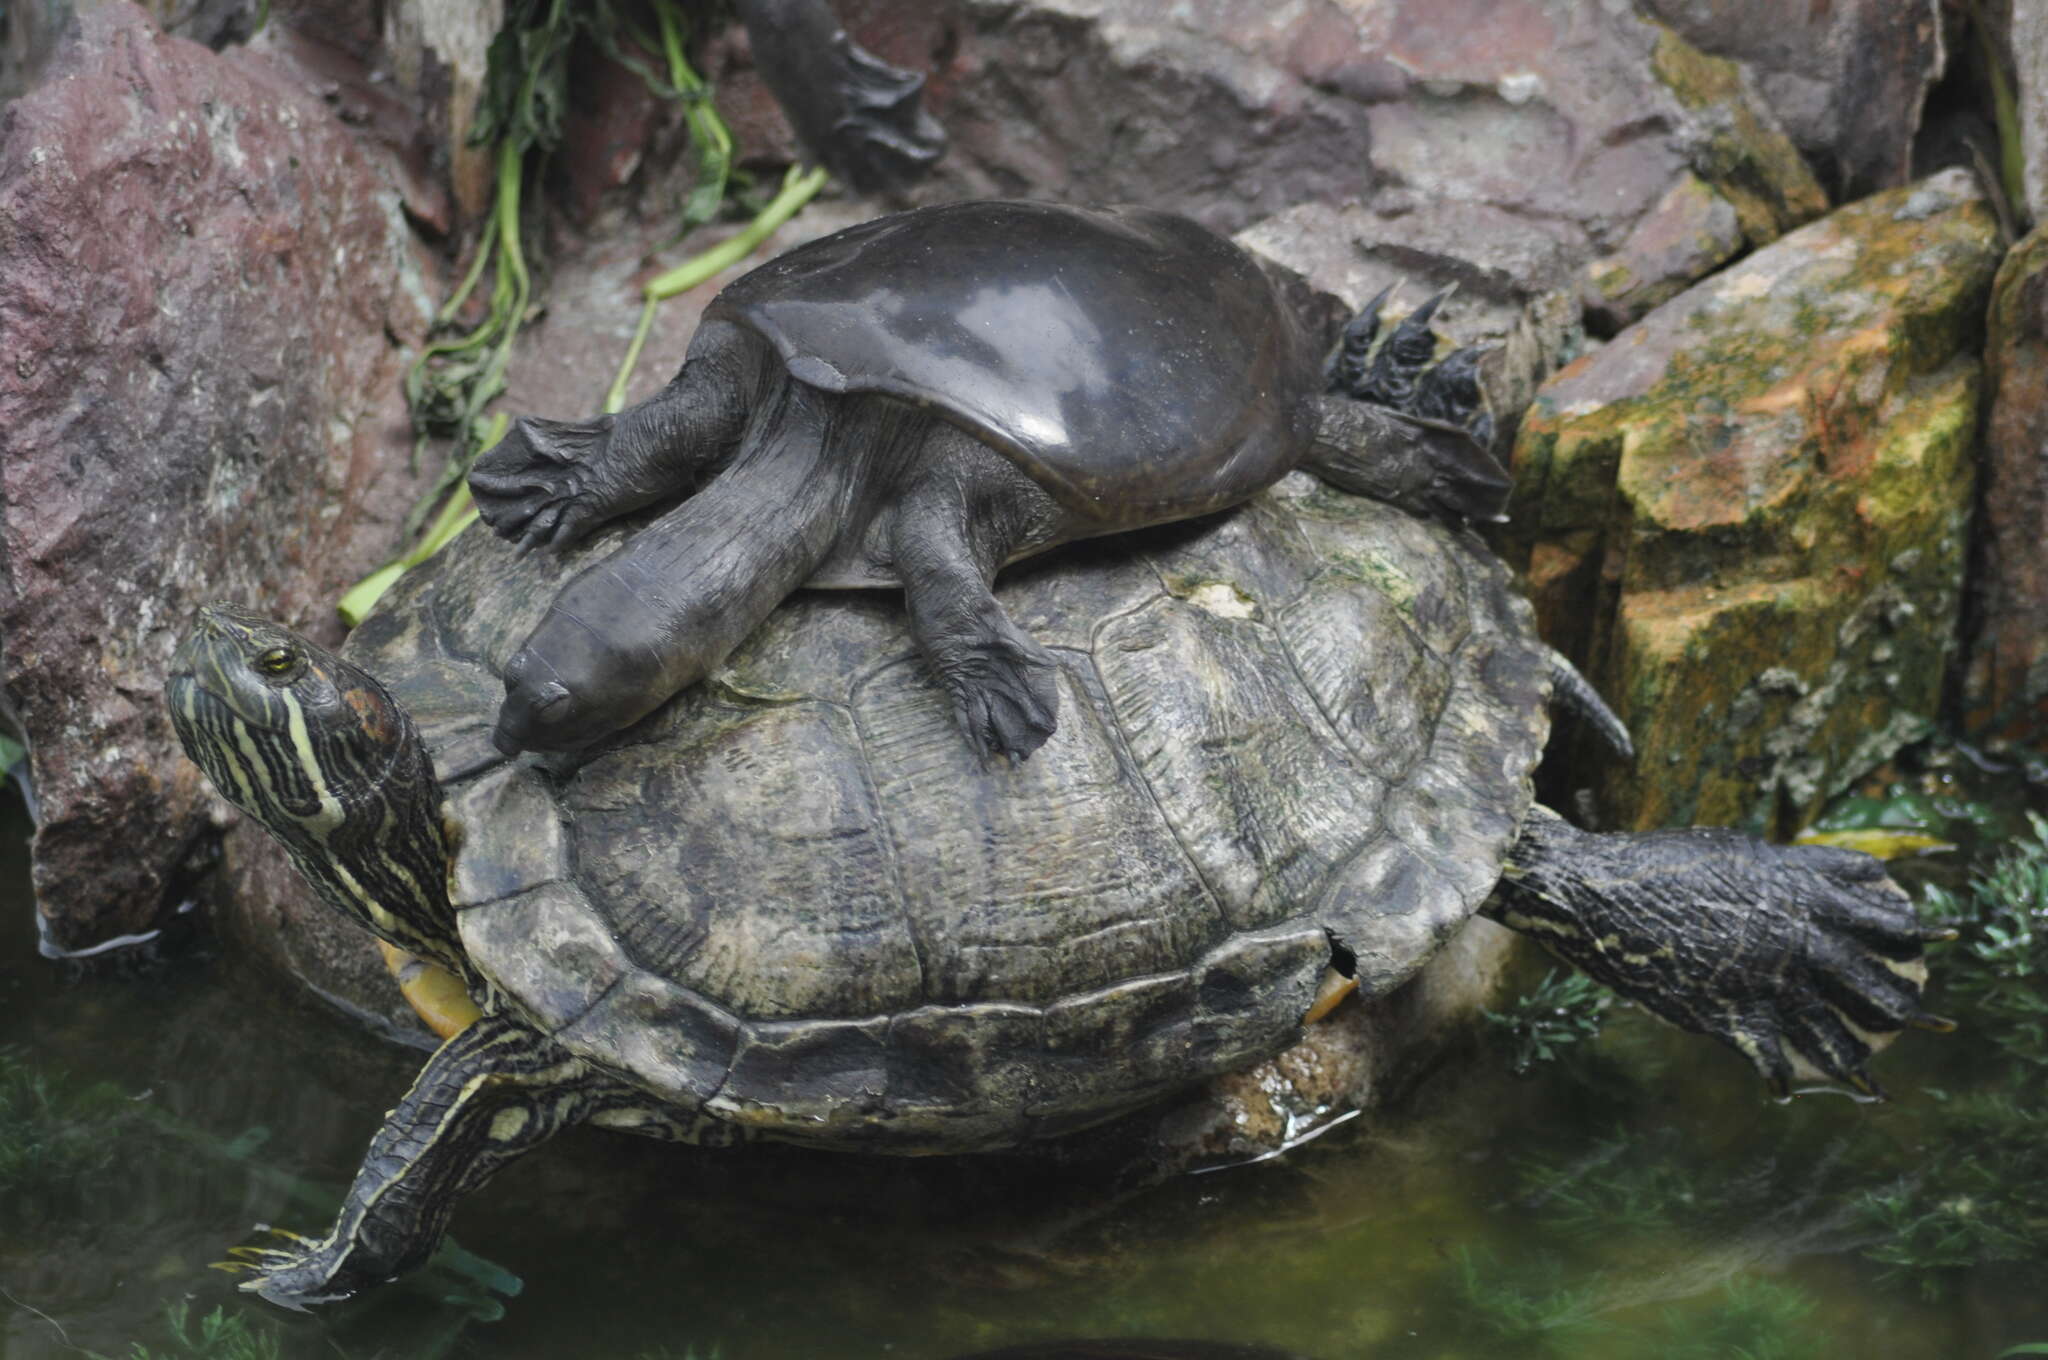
1139	366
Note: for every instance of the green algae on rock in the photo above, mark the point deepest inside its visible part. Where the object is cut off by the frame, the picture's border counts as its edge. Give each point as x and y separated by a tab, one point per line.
1746	516
1749	185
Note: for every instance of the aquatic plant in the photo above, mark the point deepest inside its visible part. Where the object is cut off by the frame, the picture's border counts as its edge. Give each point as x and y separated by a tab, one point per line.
1980	1192
1622	1184
51	1134
1752	1319
1565	1008
220	1335
1528	1304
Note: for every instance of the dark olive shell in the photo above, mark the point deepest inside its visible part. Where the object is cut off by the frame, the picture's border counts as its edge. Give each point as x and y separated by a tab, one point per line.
792	898
1139	366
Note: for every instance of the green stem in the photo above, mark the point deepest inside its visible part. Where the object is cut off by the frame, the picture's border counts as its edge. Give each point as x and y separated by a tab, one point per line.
476	271
615	399
798	188
458	514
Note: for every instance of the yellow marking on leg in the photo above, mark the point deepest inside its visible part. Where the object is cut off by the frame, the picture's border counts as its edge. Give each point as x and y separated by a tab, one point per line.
507	1123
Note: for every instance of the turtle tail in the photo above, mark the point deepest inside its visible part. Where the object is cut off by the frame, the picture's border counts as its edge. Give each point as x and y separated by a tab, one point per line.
1575	694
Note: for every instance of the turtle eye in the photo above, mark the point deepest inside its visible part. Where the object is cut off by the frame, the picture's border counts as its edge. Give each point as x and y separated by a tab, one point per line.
277	661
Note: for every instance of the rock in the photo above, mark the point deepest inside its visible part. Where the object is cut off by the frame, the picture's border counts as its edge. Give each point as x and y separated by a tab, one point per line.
204	274
2007	674
1763	490
438	53
1559	113
1847	79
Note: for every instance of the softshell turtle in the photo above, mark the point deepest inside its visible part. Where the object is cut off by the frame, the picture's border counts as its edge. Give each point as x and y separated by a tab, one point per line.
917	401
794	904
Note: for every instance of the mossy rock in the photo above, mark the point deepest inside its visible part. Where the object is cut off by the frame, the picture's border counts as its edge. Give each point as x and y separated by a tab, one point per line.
1747	515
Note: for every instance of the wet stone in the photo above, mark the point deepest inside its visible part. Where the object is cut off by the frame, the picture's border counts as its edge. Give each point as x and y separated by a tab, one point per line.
1739	480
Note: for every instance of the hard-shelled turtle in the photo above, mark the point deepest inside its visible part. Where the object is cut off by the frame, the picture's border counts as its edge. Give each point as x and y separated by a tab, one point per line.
921	399
794	904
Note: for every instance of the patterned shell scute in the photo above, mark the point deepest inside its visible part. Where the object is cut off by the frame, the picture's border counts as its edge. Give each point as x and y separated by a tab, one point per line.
1136	364
791	898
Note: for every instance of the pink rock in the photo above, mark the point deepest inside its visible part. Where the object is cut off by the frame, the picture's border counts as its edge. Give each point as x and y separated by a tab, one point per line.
207	281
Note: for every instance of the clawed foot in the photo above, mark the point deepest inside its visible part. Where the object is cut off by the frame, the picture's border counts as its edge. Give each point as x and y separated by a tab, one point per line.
1401	370
533	488
1005	695
885	139
1852	982
292	1271
1806	959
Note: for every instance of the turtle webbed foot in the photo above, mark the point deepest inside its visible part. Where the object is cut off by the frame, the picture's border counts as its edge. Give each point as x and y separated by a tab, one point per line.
885	140
1807	960
294	1272
858	115
1005	694
1402	370
1854	971
534	487
1402	425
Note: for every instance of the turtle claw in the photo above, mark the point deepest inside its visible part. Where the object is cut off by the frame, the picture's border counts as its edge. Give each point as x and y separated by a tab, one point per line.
297	1271
1006	699
1398	368
533	488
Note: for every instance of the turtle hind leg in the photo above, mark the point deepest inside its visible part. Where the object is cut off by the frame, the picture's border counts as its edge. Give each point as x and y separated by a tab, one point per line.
1402	371
551	482
1806	960
490	1094
968	512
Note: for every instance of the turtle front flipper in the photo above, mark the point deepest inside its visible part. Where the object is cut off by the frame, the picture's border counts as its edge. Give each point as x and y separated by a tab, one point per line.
1806	960
549	483
971	512
490	1094
859	116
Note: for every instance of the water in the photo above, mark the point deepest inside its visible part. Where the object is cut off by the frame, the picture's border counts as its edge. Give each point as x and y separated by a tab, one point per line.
1641	1198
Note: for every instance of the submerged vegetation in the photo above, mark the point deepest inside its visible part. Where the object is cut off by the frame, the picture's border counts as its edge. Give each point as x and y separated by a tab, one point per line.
219	1335
52	1134
1564	1009
1978	1192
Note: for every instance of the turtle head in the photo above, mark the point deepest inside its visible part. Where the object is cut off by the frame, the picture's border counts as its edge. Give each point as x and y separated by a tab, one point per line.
571	686
541	711
321	754
241	686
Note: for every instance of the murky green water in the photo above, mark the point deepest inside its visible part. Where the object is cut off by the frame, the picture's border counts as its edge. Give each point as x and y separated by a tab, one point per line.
1640	1199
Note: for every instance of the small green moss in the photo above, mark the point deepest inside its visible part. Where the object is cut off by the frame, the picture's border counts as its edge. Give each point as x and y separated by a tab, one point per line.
219	1335
1564	1009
